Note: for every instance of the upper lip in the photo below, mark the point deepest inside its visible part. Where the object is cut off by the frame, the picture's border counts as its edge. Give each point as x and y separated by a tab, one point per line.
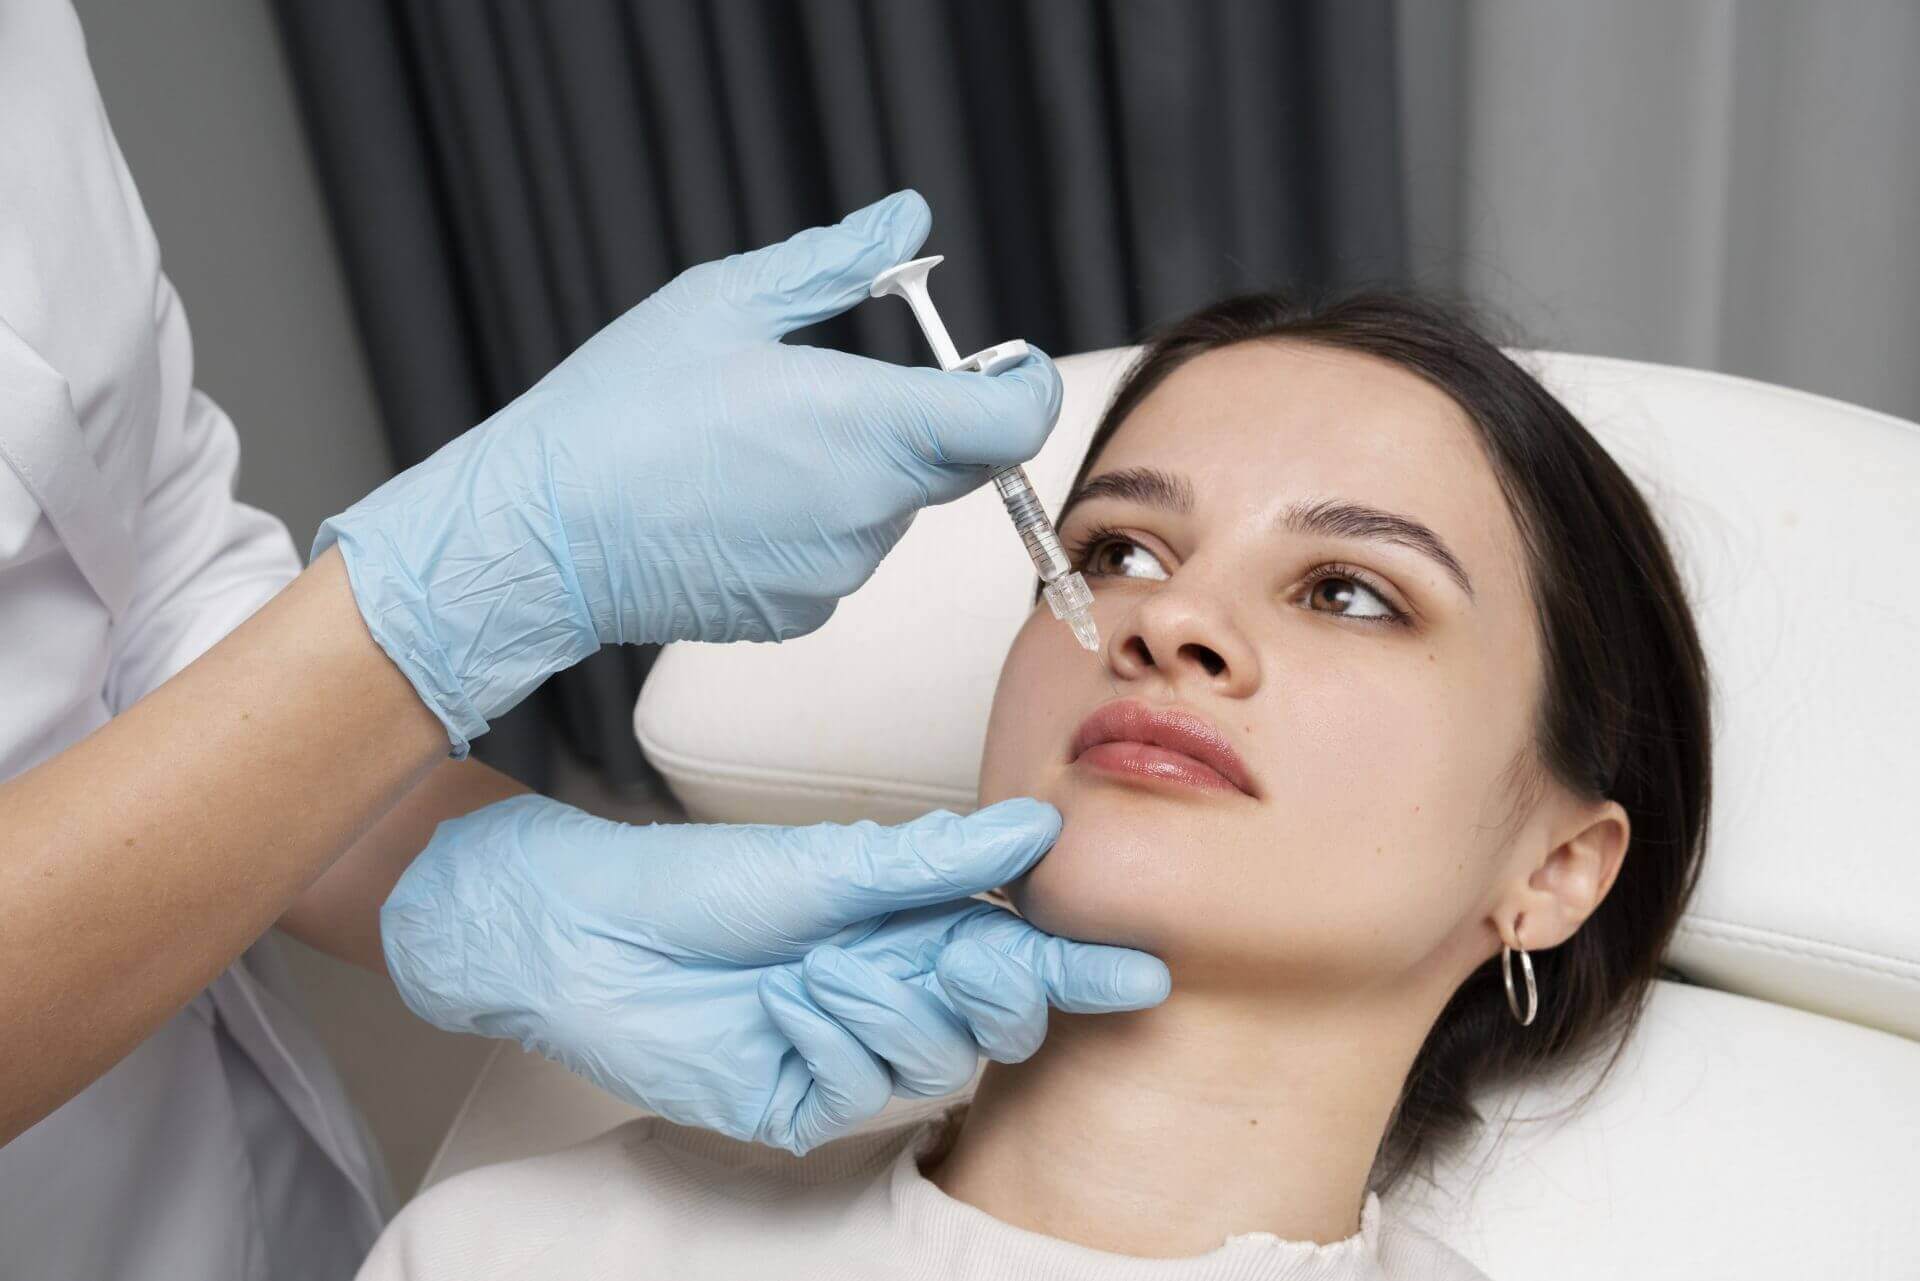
1174	728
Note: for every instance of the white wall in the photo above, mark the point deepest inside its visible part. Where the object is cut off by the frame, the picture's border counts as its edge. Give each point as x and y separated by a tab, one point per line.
1717	184
200	99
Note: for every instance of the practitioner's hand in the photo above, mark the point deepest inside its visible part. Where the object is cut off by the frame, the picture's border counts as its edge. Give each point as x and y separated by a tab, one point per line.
772	983
684	475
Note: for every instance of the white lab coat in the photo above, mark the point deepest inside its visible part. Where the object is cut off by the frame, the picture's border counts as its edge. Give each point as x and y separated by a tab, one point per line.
224	1145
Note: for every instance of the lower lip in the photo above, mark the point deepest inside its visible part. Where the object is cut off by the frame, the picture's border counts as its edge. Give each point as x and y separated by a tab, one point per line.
1143	760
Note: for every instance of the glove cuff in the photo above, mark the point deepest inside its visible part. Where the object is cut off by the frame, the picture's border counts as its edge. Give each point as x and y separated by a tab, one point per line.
396	611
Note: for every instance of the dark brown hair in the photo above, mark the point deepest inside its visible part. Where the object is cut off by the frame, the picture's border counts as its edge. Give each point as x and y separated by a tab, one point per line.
1622	711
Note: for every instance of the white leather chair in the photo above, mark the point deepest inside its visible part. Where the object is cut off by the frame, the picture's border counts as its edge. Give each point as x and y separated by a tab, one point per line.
1766	1119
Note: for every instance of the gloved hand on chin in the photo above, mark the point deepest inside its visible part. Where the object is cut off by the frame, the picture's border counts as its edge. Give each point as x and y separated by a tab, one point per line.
774	984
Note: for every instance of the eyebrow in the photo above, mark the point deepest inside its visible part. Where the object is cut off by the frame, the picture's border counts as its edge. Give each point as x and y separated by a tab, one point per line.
1326	517
1147	486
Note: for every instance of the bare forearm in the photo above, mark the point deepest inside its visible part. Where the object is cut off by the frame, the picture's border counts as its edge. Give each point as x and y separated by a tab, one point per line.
340	913
140	862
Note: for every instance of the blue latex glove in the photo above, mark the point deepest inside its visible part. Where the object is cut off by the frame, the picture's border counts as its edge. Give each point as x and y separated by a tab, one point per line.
771	983
684	475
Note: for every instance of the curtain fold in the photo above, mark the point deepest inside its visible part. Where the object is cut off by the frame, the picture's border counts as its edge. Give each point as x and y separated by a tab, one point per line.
505	177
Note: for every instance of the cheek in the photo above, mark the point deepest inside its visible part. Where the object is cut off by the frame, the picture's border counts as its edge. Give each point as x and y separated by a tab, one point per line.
1373	842
1035	708
1383	794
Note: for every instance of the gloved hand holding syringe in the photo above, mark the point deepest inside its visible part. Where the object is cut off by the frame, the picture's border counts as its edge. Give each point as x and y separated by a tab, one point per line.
1065	590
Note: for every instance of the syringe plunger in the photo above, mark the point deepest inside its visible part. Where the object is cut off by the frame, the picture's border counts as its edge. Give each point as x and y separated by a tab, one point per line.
1065	590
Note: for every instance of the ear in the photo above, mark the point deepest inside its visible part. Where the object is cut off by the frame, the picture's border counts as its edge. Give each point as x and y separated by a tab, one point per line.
1571	882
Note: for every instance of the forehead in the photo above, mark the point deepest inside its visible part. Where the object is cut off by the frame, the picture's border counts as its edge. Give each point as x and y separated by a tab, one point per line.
1310	418
1258	425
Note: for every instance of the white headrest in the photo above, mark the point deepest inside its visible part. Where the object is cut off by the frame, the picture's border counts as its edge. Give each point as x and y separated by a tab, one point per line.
1796	522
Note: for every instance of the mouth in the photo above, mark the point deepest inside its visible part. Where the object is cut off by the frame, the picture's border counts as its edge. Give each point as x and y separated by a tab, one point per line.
1133	741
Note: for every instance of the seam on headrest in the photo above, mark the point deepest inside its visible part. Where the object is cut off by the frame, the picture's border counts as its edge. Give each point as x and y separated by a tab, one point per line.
674	763
1811	949
1721	378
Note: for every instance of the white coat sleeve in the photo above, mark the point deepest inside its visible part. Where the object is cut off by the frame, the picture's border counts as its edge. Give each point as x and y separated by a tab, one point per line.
205	560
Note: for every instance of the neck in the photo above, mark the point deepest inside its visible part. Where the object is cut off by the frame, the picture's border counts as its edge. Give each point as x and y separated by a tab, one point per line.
1163	1132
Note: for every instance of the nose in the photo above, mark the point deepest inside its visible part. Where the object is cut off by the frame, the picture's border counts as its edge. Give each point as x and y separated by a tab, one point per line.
1185	633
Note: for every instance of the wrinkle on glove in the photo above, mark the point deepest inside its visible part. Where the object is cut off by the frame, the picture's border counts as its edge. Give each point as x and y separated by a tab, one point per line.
683	475
772	983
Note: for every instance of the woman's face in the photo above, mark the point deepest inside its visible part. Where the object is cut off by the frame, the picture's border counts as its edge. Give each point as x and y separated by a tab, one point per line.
1268	539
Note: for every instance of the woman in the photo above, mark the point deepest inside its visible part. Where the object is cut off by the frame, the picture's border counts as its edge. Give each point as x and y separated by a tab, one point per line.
1397	666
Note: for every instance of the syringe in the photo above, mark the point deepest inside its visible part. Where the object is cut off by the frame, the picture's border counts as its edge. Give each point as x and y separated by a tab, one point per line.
1065	590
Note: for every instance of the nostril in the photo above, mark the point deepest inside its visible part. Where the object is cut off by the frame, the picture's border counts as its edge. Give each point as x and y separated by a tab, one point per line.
1205	657
1137	650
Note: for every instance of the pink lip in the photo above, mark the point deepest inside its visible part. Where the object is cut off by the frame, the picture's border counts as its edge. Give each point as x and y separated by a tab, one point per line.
1165	743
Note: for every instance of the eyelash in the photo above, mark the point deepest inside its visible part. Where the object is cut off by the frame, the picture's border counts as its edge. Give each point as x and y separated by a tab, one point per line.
1081	548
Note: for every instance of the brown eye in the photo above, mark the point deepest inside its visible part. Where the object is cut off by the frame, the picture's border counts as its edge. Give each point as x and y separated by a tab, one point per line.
1124	558
1333	593
1348	598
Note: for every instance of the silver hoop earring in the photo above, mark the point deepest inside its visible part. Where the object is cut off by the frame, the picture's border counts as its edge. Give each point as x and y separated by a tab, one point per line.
1506	972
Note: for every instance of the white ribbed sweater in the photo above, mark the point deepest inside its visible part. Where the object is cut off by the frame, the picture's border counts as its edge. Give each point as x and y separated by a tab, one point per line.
651	1200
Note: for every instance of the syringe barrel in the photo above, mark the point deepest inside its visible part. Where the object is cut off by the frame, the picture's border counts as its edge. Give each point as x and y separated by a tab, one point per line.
1030	519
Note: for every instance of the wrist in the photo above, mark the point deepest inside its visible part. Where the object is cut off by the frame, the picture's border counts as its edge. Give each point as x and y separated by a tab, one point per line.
395	611
370	670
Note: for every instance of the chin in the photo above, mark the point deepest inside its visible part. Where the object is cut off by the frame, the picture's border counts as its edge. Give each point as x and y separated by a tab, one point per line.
1106	880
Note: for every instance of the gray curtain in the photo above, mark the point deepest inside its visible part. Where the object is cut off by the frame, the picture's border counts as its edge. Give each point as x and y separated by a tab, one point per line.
505	177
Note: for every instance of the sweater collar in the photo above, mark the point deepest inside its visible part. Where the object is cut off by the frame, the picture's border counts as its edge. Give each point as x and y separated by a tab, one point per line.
974	1243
